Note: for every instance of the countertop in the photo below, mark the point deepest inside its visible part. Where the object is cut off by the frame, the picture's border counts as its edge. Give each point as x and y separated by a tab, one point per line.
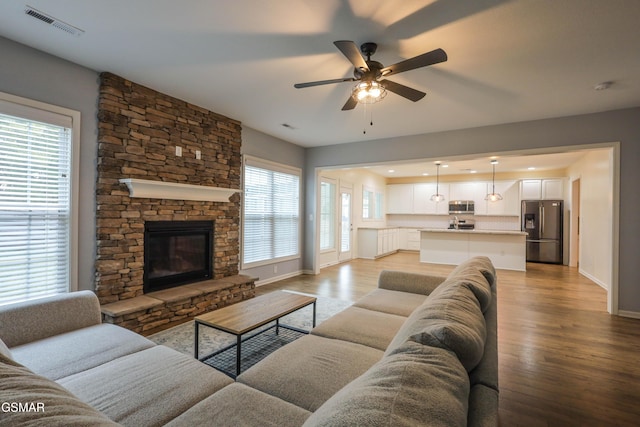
448	230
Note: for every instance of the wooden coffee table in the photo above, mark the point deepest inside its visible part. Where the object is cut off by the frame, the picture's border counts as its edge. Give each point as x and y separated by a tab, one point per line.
246	316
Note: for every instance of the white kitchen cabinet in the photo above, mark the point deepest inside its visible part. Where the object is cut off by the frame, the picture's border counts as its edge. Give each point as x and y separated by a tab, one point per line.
416	199
377	242
510	203
542	189
553	189
422	203
400	198
409	239
467	191
531	189
505	249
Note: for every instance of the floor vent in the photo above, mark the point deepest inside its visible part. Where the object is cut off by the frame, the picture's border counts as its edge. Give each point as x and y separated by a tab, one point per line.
56	23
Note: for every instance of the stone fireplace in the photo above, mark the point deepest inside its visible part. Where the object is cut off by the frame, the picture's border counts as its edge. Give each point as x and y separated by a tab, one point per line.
151	139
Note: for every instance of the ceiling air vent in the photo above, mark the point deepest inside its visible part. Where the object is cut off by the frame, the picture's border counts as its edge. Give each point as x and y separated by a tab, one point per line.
61	25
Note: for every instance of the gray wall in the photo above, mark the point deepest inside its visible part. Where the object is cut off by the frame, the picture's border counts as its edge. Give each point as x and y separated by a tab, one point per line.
621	126
32	74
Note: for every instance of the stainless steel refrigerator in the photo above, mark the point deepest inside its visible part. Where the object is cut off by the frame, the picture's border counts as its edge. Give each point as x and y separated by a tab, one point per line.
542	220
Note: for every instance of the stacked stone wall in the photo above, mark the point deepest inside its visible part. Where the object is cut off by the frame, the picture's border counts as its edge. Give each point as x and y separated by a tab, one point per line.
139	130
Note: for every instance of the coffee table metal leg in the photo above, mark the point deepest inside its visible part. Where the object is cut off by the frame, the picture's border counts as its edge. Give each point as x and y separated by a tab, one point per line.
238	357
277	326
197	335
314	314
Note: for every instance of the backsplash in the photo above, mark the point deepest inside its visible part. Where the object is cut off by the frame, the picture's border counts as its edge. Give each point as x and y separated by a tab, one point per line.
509	223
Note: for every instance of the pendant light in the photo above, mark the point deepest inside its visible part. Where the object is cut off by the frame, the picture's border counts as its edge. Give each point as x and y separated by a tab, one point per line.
493	196
437	197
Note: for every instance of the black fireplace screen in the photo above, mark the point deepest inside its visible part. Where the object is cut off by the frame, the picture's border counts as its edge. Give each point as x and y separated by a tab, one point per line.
176	253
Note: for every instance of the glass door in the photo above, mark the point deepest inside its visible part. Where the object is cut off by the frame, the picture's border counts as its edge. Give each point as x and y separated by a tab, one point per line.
346	225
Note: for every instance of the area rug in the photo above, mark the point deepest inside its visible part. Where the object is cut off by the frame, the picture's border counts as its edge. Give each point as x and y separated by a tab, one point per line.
181	337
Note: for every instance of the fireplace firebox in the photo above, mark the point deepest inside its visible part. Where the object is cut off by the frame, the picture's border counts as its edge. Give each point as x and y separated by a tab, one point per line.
177	253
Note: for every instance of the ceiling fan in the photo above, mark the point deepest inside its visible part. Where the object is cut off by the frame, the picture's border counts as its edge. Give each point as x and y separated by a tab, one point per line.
372	74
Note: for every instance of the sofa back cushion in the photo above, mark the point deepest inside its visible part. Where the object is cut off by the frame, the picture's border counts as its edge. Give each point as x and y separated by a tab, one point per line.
451	319
469	275
414	385
33	320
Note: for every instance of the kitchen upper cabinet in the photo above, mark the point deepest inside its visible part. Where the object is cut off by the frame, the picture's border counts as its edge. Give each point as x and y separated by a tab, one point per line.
553	189
400	198
422	203
542	189
467	191
416	199
510	203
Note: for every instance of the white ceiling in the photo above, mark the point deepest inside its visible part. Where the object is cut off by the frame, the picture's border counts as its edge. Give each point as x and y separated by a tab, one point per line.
508	61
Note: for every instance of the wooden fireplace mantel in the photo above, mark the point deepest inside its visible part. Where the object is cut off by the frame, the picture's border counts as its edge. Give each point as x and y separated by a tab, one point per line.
174	191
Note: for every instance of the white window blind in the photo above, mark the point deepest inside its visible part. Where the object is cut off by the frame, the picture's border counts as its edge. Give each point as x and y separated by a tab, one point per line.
271	225
35	200
327	215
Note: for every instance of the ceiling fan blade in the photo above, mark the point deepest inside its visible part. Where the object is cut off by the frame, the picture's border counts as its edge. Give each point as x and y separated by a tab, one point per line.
350	104
351	51
402	90
323	82
429	58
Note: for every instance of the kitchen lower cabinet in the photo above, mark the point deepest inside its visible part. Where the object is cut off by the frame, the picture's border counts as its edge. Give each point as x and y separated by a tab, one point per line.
409	239
377	242
505	249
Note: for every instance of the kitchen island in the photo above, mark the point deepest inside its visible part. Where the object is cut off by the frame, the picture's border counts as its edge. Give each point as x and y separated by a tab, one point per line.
505	249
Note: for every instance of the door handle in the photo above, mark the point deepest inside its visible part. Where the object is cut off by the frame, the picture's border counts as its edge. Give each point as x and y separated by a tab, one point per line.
541	220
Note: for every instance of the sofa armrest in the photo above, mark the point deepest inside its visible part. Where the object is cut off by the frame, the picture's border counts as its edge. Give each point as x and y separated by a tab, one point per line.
37	319
409	282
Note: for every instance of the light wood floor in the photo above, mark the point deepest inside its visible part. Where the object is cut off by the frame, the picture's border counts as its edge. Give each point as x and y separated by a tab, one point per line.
563	360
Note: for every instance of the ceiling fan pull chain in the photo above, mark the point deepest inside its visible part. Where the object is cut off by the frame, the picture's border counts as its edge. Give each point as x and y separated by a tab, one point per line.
364	111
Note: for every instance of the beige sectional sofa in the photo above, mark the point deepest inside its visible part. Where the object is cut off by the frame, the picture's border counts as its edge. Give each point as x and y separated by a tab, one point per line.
419	350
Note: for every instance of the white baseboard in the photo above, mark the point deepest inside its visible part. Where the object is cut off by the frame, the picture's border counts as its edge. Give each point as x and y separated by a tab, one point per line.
631	314
595	280
277	278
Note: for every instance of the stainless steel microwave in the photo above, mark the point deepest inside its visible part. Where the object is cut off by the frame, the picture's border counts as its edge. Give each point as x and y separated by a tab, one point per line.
461	207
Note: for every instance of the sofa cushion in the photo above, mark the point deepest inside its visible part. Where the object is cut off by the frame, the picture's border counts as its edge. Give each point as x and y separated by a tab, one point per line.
239	405
310	370
392	302
451	320
150	387
415	385
40	318
4	350
91	346
403	281
361	326
49	404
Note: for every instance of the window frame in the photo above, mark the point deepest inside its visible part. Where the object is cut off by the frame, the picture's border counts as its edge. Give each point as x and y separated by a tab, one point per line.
274	167
374	205
44	112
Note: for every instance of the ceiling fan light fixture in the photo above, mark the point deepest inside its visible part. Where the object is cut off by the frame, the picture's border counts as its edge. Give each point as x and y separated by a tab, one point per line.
368	92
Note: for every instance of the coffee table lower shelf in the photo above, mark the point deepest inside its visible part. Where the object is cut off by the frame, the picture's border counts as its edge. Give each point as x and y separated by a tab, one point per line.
255	347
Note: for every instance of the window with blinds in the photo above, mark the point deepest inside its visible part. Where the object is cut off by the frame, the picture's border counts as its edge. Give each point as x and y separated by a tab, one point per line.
271	221
35	203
